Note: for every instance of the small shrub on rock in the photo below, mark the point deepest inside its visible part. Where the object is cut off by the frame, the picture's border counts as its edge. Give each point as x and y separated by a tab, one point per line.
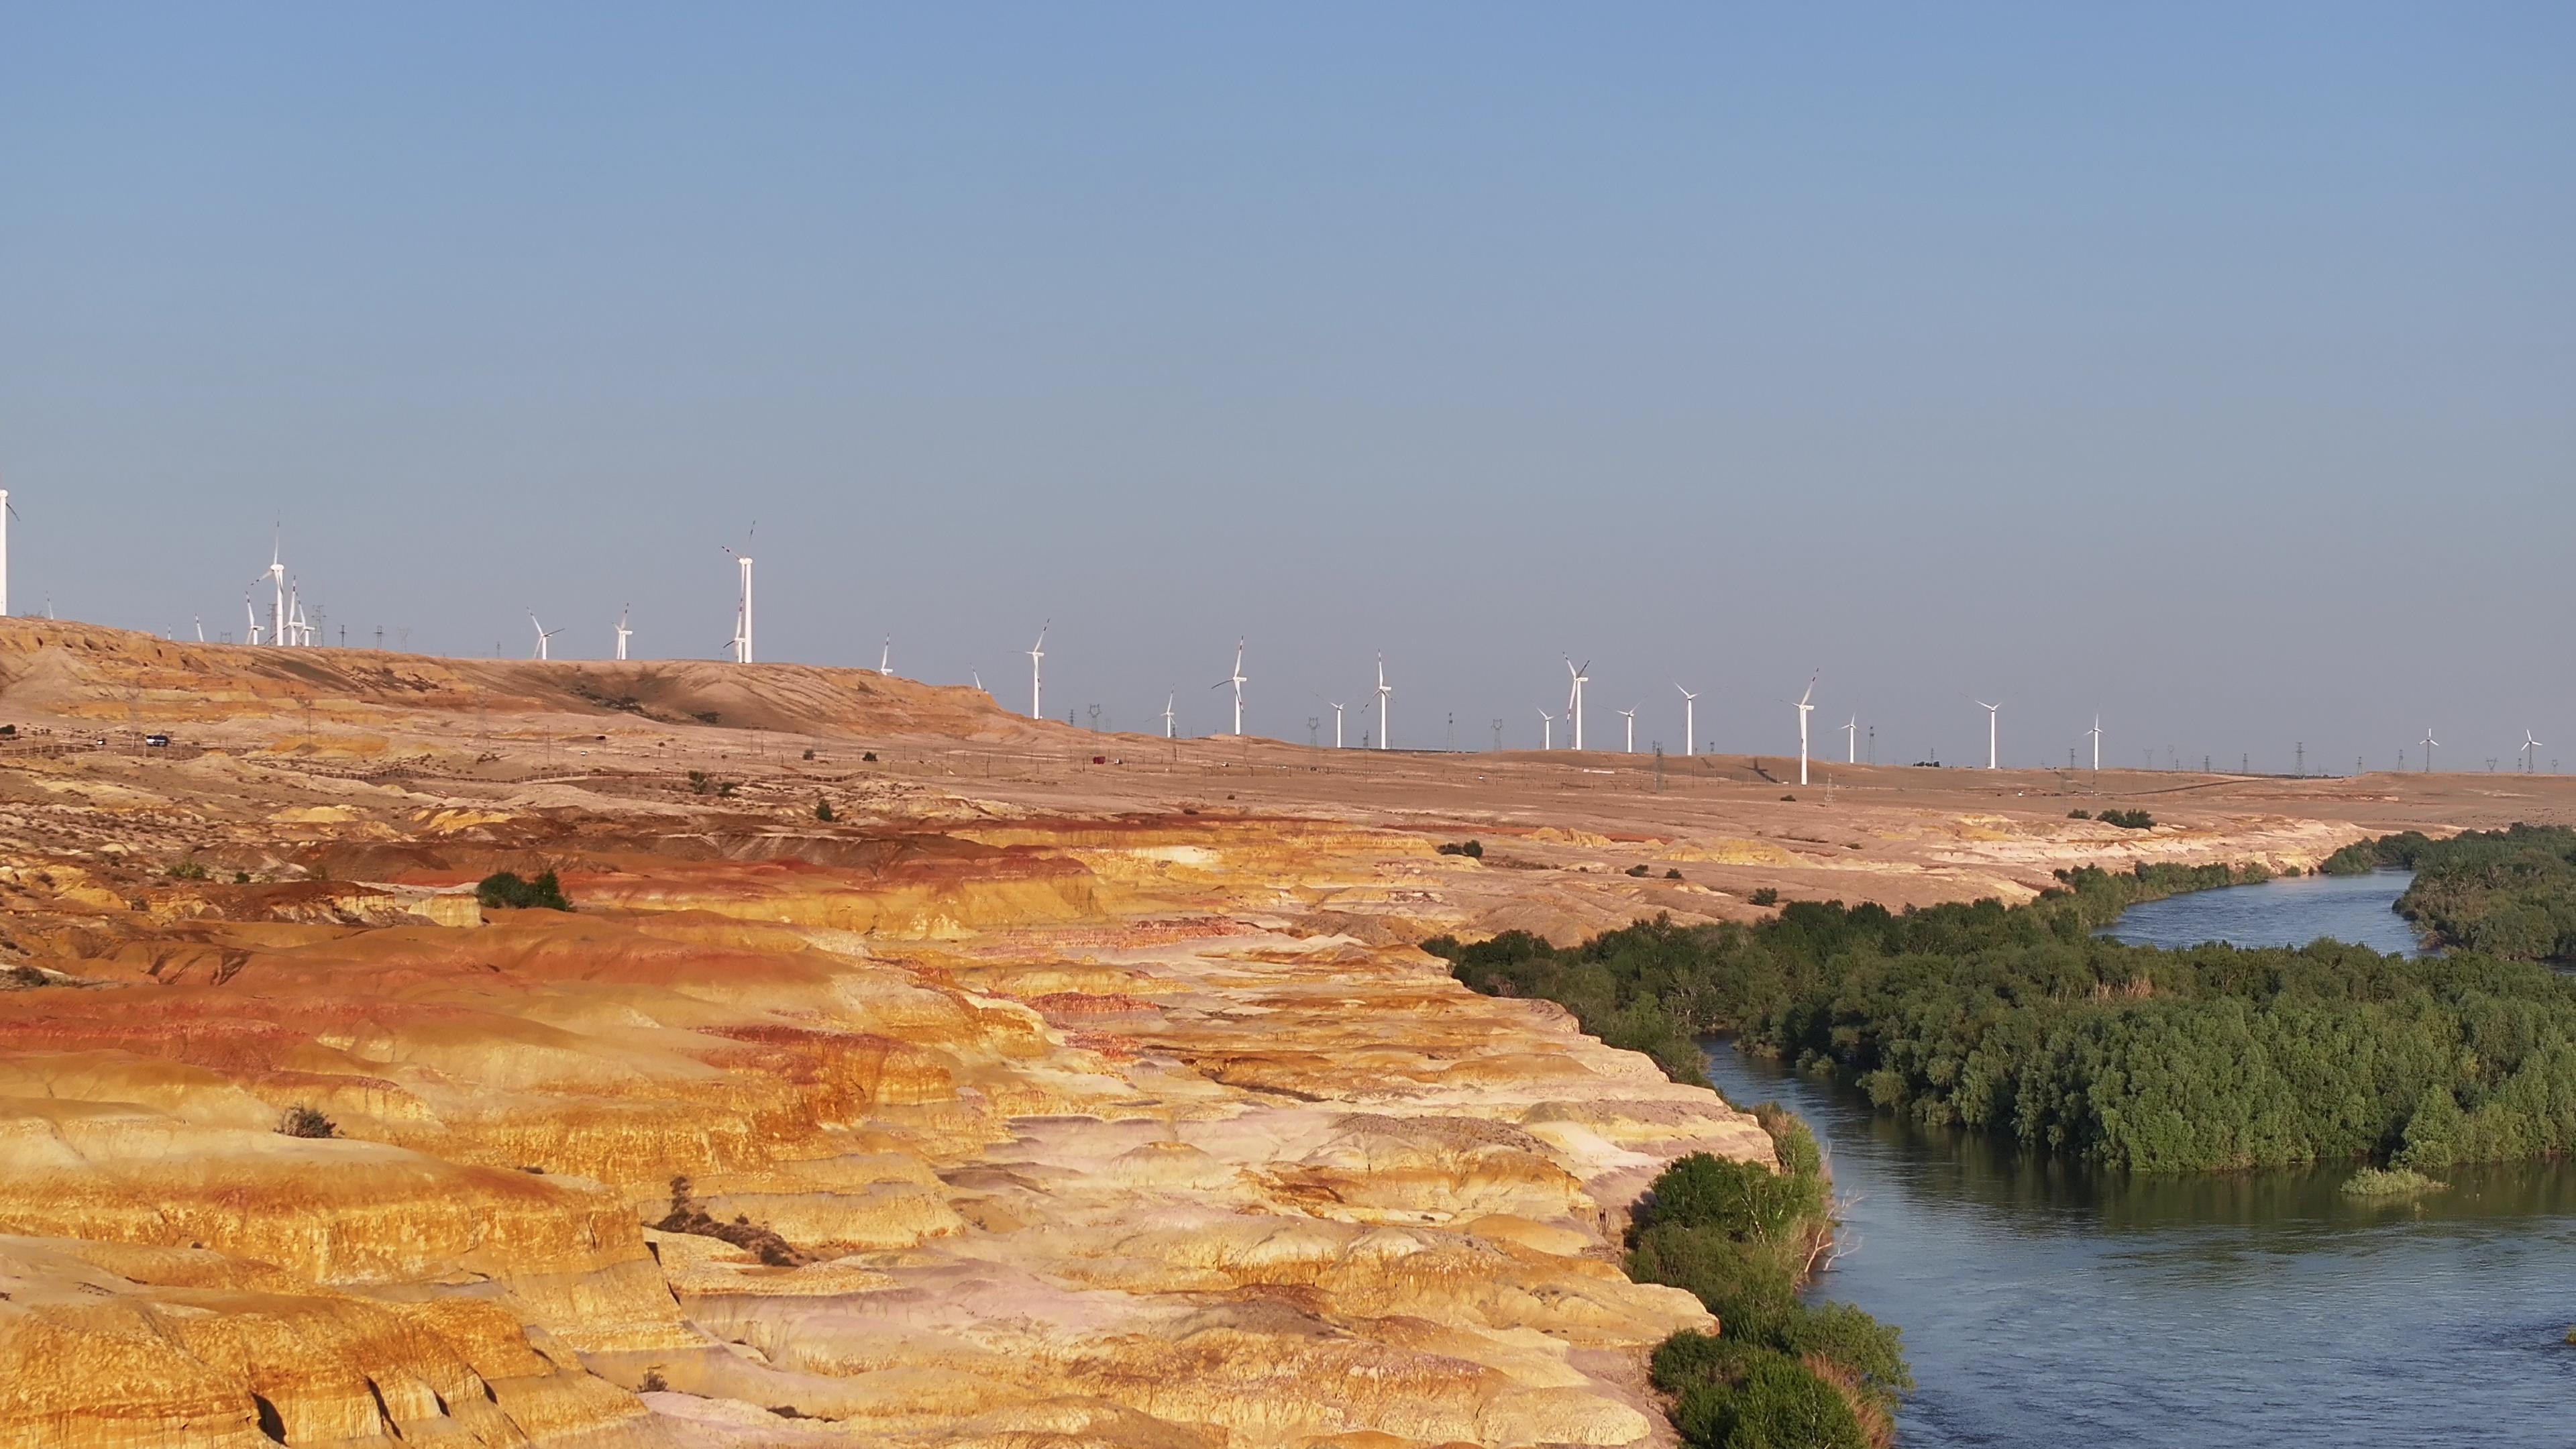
302	1120
504	890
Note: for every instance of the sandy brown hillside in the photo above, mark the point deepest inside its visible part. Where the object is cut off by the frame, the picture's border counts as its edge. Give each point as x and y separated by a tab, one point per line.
1057	1090
88	674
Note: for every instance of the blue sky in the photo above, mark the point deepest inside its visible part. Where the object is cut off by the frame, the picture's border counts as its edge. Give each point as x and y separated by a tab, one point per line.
2207	366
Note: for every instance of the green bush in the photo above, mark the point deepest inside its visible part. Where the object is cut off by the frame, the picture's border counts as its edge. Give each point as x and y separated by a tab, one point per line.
504	890
2128	819
189	869
1472	849
1778	1403
823	810
2079	814
1739	1199
1765	896
2389	1182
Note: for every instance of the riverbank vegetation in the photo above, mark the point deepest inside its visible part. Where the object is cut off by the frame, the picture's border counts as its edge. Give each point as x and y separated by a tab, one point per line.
1744	1240
2389	1182
2509	893
2021	1023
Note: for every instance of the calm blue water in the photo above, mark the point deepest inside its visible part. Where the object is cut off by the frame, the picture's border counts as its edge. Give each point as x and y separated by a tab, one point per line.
2288	912
2047	1305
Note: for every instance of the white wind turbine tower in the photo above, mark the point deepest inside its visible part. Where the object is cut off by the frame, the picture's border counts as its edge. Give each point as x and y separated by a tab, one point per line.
2530	752
201	629
300	631
1037	675
277	581
885	658
1851	740
1574	697
1385	692
1630	715
2096	733
1546	730
1690	721
250	619
624	633
1337	722
1167	715
2430	744
544	648
742	610
1805	706
1990	730
1238	681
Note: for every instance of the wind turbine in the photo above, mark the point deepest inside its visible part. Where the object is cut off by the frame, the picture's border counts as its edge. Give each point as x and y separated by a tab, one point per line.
1690	720
1037	676
544	651
742	611
6	513
2530	751
1990	730
2430	744
1238	681
885	658
1385	692
1547	730
1851	740
250	617
277	581
2096	733
1806	706
201	636
1337	722
1574	697
1630	715
1167	715
623	633
299	632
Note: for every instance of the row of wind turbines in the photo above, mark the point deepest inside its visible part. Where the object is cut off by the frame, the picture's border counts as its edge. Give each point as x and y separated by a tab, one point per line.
1579	675
289	625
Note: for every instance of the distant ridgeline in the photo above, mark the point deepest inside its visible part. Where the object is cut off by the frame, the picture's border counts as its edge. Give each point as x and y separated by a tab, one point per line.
2508	893
2020	1022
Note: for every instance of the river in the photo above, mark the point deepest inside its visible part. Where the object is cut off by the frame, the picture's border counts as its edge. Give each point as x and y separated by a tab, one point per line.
2045	1304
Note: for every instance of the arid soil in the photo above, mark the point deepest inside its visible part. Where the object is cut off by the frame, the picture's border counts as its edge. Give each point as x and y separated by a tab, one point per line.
1060	1090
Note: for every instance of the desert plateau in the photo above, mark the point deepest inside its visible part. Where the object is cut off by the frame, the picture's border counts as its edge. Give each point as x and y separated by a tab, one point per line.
1059	1089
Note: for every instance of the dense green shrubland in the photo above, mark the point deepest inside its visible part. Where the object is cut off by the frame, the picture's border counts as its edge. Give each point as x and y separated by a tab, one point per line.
2506	893
1743	1239
2020	1022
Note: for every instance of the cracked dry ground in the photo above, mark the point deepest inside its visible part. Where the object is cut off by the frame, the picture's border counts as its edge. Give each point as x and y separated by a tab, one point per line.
1075	1133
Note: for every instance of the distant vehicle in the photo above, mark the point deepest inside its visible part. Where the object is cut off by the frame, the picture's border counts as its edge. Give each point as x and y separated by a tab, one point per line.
158	742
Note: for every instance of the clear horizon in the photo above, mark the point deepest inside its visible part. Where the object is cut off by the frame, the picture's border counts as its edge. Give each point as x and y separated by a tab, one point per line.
2205	369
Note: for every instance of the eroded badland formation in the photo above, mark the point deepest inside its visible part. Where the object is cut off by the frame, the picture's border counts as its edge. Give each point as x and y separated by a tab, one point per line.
1029	1101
